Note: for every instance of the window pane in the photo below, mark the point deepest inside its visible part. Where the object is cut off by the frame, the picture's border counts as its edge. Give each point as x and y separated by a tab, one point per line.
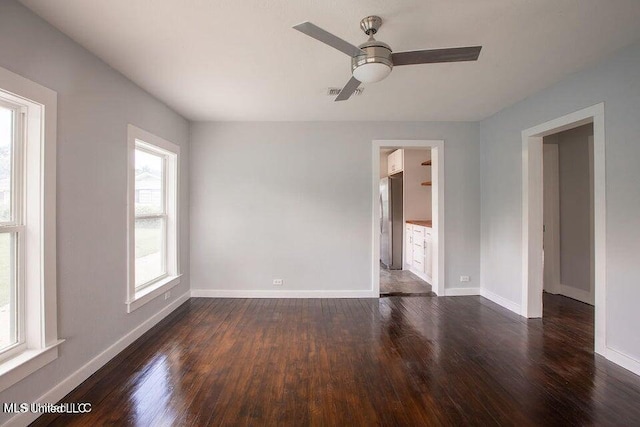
6	155
149	183
8	317
150	249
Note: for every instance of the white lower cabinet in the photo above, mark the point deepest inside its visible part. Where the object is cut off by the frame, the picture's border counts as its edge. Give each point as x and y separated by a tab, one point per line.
408	246
419	251
418	254
418	266
428	256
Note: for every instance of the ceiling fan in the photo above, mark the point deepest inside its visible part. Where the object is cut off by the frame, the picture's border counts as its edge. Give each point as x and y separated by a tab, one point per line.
373	60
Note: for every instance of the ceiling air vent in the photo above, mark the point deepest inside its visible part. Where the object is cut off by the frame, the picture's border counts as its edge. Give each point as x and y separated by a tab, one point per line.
335	91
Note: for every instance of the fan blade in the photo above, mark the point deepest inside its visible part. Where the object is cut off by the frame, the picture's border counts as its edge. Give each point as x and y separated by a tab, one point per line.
326	37
454	54
348	89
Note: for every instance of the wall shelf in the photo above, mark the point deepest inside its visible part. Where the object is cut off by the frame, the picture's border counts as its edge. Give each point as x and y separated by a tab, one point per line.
427	163
428	183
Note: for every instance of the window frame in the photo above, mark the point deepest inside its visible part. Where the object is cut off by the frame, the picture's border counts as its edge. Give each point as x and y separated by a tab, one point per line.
34	221
15	224
145	141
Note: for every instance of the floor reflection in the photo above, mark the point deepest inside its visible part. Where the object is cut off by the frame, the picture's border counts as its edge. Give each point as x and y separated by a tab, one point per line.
388	361
152	395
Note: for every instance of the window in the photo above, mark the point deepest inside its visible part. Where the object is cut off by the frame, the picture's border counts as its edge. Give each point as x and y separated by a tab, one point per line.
153	243
11	226
28	309
151	217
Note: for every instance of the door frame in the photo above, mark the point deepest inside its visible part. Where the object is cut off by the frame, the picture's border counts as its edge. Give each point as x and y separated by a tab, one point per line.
437	198
551	231
532	213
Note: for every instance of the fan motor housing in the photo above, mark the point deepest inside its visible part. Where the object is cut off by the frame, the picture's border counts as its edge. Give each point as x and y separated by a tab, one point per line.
374	51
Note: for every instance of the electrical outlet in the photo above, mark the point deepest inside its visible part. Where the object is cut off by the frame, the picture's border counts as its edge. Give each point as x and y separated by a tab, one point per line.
464	278
278	282
167	295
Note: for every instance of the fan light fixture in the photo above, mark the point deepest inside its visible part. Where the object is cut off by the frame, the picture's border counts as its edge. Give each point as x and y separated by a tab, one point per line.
373	60
373	63
371	72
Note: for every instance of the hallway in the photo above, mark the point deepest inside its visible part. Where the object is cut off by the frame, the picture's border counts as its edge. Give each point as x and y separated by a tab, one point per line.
402	282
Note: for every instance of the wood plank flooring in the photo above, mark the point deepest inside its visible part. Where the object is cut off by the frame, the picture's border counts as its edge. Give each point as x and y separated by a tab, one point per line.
389	361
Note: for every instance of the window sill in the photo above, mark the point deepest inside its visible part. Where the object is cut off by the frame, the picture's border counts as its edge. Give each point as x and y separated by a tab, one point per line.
153	291
26	363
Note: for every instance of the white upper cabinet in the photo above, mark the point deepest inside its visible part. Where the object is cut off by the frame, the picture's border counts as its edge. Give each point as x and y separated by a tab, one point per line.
395	162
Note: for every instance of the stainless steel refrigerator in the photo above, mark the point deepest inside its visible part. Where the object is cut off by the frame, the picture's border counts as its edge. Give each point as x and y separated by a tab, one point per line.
391	226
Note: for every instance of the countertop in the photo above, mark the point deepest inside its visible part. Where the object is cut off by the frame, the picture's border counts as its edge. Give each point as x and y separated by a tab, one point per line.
423	223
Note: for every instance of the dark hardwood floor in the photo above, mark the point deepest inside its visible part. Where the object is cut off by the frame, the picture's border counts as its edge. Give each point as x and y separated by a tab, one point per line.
393	361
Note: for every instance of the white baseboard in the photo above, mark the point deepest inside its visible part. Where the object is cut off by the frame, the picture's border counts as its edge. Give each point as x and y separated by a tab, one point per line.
420	274
576	294
509	305
259	293
75	379
455	292
619	358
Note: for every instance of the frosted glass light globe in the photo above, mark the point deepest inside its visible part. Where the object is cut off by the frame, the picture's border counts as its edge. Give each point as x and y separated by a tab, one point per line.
371	72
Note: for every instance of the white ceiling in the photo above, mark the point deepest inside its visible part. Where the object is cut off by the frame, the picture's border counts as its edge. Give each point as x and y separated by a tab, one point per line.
240	59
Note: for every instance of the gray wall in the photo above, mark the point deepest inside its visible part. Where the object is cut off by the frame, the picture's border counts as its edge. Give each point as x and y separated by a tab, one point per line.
293	201
614	81
575	238
95	104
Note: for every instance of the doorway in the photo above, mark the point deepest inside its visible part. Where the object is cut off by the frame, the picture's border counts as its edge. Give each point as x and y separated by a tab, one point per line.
413	169
568	214
533	215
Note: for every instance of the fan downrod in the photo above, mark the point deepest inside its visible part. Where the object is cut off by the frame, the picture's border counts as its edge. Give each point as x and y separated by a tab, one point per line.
371	24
